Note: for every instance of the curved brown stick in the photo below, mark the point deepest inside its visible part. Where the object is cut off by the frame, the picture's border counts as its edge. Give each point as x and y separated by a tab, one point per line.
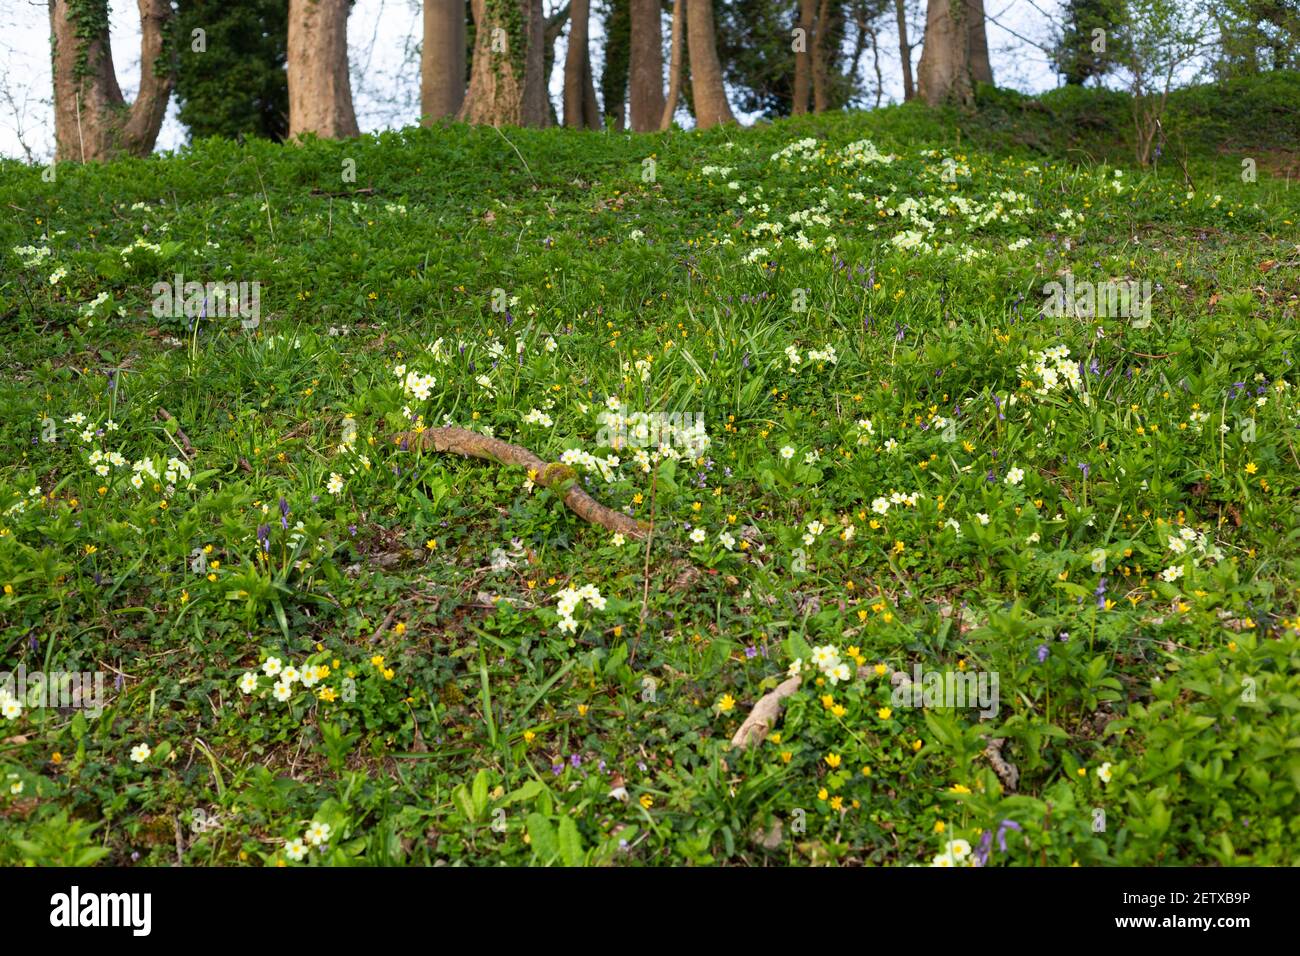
461	441
763	717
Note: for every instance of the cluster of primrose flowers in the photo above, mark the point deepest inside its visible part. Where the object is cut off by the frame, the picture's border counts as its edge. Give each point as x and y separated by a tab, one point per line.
571	598
827	660
955	853
286	676
317	835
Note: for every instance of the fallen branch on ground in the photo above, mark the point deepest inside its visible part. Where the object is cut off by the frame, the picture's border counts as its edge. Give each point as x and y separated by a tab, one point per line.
763	717
560	478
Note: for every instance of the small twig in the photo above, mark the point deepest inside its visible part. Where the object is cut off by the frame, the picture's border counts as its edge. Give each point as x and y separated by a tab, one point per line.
517	153
180	842
266	199
383	627
186	447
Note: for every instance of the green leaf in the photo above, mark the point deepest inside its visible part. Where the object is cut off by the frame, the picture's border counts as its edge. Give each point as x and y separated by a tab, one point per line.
541	835
460	796
571	843
480	793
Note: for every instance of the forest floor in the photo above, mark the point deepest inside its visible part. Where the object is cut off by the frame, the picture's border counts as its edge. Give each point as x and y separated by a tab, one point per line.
821	359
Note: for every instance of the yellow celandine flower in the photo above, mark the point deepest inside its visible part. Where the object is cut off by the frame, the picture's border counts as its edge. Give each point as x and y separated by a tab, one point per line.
432	545
582	710
884	713
1251	468
837	803
939	826
91	549
823	793
377	660
56	757
388	673
1082	772
832	760
881	670
529	736
327	694
866	771
399	628
727	703
828	701
785	756
959	788
839	710
647	801
774	738
9	589
917	745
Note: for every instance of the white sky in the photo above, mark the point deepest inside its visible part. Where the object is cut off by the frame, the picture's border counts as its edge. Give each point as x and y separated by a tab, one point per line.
383	40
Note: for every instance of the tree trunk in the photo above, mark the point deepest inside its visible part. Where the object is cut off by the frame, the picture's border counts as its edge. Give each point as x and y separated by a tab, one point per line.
955	55
320	92
92	121
803	57
710	96
647	66
904	51
674	67
536	99
576	66
590	105
614	73
981	70
442	60
820	71
506	76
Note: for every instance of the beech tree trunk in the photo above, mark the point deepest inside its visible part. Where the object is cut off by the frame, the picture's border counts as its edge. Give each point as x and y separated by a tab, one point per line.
977	43
820	70
905	51
590	105
579	90
92	120
674	66
646	80
320	92
710	96
536	104
506	76
955	54
442	60
803	57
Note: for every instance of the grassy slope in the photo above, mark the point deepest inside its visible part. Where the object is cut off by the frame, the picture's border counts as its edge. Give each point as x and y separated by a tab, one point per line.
1185	690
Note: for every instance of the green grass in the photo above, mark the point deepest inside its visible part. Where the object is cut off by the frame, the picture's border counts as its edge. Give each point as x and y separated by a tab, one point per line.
457	715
